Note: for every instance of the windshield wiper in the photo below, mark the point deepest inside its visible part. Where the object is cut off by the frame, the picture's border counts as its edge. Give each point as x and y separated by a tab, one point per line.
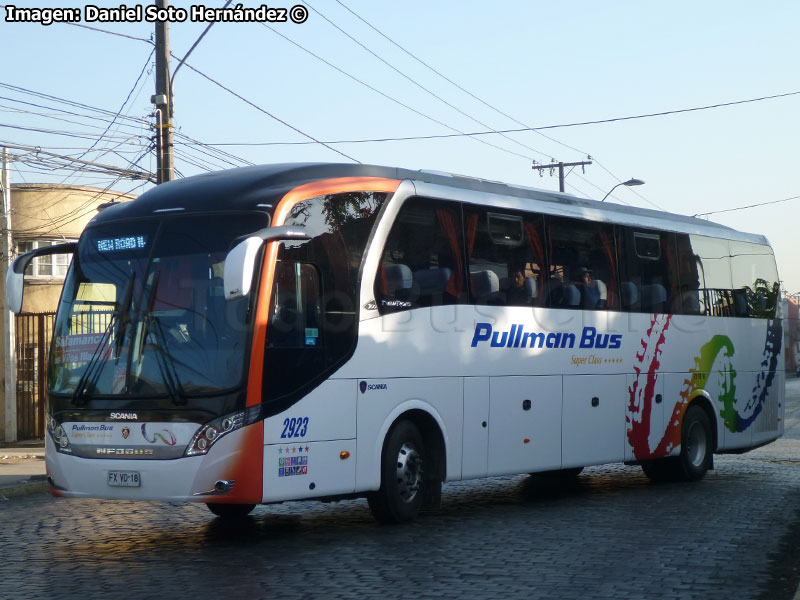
93	368
166	364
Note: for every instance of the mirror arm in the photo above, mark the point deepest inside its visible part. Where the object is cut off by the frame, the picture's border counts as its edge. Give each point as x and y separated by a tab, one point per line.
240	262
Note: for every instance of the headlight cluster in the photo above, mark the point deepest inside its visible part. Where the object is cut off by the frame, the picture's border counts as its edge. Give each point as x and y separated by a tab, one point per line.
58	434
209	433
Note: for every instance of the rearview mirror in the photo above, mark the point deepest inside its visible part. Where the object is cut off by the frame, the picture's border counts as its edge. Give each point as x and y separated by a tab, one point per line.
15	276
240	262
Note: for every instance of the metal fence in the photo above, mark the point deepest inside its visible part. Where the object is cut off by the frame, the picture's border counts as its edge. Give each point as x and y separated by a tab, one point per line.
33	333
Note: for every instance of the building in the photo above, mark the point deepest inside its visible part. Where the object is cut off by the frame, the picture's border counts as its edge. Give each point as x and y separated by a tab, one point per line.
41	215
791	333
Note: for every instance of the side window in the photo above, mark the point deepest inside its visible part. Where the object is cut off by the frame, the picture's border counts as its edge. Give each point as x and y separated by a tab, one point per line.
583	267
506	257
713	256
649	276
690	300
296	307
755	280
313	314
422	262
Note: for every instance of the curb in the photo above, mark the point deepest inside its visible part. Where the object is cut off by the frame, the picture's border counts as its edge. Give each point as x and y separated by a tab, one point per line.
35	485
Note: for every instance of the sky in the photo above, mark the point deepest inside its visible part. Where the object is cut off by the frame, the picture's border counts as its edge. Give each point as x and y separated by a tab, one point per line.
510	65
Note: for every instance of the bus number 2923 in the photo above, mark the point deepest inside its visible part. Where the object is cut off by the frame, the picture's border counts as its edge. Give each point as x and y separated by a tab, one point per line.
294	428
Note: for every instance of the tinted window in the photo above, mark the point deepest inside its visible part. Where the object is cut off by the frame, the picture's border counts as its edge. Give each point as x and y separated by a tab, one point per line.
422	261
582	271
716	296
506	257
690	285
648	267
314	300
754	280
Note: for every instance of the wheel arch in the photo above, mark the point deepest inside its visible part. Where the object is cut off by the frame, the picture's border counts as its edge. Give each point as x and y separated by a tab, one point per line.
431	426
703	400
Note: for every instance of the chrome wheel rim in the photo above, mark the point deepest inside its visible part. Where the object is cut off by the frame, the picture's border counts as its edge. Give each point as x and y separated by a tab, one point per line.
696	444
409	472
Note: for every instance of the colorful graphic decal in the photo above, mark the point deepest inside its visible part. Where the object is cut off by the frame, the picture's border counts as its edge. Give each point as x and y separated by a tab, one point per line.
713	373
289	466
292	465
642	392
734	420
158	436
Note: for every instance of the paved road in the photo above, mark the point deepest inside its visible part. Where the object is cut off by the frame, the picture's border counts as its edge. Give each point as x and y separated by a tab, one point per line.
612	535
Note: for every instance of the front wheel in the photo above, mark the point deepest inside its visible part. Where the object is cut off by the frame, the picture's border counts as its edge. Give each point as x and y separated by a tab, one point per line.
231	511
403	486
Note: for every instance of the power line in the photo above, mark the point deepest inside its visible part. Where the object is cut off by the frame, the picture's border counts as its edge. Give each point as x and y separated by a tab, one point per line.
521	129
121	108
269	114
716	212
418	84
139	39
385	95
485	103
443	76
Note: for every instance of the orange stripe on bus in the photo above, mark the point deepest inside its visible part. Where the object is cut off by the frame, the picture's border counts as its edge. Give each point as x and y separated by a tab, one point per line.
304	192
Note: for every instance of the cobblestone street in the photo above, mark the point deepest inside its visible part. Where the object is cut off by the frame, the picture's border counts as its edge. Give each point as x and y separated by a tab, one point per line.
613	534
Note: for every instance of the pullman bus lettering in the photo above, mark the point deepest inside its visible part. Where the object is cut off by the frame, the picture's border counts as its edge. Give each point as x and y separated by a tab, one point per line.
517	337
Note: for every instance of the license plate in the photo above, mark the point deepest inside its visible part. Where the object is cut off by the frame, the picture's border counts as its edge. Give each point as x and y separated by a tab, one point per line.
124	478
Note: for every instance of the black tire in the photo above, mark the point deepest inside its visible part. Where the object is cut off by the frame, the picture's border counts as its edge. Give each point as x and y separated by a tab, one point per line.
403	485
231	511
662	469
696	454
696	445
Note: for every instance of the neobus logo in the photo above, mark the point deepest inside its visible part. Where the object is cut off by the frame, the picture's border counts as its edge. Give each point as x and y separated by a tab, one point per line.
517	337
364	386
125	451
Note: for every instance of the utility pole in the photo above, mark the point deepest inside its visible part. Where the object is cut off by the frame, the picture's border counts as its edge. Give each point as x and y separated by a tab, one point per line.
9	339
561	166
163	101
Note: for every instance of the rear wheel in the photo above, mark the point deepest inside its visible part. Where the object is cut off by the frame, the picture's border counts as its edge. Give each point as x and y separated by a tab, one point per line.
231	511
696	451
403	486
696	445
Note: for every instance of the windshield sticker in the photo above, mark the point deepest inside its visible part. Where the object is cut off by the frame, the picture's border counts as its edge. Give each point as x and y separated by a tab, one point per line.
76	348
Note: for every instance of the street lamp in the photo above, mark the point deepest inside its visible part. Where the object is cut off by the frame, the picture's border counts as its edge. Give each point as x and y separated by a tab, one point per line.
629	183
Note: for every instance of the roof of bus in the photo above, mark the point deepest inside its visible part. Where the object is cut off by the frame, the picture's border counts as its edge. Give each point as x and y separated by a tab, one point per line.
261	187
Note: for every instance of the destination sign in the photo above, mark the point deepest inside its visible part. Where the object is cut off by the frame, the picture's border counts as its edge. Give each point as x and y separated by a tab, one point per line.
131	242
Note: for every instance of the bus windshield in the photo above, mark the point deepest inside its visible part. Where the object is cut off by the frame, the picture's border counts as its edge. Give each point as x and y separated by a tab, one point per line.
143	311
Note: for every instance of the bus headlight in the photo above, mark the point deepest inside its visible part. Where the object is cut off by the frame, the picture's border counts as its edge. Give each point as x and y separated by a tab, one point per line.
58	435
211	432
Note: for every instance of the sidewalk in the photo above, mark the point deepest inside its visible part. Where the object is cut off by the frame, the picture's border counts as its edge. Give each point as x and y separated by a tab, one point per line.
22	469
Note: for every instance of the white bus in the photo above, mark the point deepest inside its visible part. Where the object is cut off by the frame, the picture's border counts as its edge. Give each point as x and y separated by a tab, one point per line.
300	331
